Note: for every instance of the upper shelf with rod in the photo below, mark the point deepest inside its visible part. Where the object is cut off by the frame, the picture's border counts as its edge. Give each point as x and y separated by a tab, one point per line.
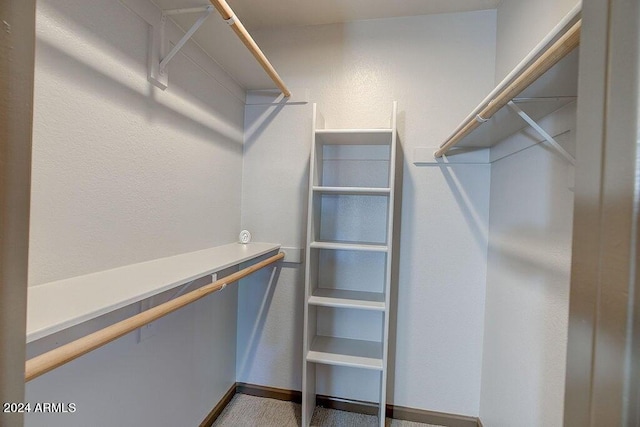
59	305
542	83
234	51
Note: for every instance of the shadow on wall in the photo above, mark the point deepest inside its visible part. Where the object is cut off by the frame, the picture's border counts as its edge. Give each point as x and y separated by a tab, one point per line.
193	119
472	217
93	20
263	285
276	172
325	60
109	26
530	262
261	123
529	253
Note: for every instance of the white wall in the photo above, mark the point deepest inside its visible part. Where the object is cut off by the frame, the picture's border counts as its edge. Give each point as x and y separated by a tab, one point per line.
529	259
437	68
528	273
123	173
274	195
521	26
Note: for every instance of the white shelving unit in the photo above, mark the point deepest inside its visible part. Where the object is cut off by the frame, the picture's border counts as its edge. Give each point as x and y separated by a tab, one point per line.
348	257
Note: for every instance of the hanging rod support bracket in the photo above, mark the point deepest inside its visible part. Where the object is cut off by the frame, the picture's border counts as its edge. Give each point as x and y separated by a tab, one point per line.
185	38
548	138
158	60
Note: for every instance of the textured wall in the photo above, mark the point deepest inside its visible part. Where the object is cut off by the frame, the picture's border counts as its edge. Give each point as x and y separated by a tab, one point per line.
527	289
529	249
521	26
437	68
274	200
123	173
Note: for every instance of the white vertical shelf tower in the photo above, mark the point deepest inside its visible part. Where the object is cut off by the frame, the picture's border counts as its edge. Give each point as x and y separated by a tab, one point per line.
348	257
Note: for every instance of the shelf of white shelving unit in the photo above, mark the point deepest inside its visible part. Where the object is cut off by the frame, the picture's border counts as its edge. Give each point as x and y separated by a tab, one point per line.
343	298
346	352
354	136
349	246
367	191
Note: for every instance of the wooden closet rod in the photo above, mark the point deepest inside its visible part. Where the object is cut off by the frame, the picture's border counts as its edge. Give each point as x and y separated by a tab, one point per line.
52	359
228	15
561	48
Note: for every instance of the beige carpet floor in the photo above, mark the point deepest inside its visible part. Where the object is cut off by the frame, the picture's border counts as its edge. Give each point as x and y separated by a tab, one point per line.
251	411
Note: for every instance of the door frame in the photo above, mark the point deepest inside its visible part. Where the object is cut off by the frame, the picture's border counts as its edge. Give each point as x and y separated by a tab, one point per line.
17	53
602	378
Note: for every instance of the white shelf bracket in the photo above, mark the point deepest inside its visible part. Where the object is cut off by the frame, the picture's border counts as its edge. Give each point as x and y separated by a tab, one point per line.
548	138
149	329
158	60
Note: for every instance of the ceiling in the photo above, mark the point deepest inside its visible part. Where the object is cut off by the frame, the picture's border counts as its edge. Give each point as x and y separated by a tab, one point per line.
274	13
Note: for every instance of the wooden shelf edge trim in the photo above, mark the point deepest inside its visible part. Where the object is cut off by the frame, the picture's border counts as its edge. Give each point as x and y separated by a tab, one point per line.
50	360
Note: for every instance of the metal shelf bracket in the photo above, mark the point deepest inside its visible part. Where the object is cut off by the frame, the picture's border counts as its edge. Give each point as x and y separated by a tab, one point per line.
548	138
158	58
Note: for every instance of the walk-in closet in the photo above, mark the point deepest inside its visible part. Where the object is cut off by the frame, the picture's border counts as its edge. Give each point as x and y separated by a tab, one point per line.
336	213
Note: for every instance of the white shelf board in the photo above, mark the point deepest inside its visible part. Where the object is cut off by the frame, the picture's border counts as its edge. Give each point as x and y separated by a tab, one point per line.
341	298
349	246
55	306
374	191
354	136
346	352
552	91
